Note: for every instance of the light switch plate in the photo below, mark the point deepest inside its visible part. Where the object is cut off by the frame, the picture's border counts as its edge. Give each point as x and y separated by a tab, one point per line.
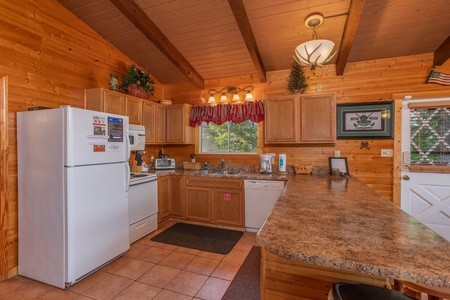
387	152
337	153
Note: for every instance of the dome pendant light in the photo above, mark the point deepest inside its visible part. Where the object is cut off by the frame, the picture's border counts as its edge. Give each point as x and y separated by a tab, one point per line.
315	52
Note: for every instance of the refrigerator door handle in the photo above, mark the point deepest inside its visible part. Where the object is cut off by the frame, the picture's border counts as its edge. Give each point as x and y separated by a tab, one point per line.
127	143
128	176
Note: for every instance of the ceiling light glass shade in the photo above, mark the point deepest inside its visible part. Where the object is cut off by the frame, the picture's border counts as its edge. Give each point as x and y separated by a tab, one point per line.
249	97
314	53
211	99
223	98
236	97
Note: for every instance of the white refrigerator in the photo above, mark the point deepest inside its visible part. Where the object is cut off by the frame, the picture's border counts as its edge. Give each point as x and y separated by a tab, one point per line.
73	180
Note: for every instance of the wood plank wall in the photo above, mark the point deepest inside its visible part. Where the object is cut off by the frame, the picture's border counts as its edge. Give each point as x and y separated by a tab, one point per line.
368	81
49	57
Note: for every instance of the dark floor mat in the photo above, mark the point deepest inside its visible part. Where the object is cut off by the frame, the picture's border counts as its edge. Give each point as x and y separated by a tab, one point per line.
246	283
203	238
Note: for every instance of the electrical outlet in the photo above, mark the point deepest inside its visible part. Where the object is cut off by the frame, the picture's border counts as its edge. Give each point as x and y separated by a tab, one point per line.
387	152
152	158
337	153
319	87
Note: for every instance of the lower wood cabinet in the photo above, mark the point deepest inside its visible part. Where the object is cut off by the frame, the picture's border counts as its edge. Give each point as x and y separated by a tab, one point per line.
202	199
215	200
170	197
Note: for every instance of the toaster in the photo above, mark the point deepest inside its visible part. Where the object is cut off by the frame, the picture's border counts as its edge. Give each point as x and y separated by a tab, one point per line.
164	163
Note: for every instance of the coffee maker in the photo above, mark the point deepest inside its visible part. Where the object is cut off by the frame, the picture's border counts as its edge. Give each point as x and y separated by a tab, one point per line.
266	163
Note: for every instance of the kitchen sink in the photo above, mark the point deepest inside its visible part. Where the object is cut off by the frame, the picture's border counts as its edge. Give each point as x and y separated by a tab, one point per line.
217	173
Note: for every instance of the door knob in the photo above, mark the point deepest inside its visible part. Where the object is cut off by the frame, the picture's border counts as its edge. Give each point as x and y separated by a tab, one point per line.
405	177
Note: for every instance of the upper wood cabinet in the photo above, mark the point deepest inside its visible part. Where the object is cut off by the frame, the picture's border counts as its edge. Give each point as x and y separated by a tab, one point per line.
178	130
105	100
154	120
133	109
318	118
113	102
282	120
300	119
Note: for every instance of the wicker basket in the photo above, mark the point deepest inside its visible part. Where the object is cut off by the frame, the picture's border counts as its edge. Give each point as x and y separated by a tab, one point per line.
303	169
192	165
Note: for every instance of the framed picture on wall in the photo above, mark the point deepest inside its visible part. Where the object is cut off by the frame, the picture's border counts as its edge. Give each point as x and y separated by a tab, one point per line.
365	120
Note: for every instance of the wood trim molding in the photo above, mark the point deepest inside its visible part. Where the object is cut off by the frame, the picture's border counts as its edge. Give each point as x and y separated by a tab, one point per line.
237	6
140	19
351	24
4	146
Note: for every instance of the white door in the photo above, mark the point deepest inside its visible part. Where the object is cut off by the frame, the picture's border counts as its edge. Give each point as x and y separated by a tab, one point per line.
425	195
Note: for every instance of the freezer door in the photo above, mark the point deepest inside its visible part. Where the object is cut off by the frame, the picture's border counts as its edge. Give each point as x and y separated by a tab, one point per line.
97	217
95	137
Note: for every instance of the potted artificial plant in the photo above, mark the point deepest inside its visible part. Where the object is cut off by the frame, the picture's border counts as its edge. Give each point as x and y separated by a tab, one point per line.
138	83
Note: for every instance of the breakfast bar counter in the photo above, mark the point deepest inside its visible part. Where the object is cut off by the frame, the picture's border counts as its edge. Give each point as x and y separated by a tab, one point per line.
320	223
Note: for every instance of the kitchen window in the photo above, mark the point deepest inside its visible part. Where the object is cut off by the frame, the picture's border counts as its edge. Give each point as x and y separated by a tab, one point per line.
229	137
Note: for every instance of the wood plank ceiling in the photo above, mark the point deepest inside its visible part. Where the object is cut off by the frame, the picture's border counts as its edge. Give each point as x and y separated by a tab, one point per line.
180	41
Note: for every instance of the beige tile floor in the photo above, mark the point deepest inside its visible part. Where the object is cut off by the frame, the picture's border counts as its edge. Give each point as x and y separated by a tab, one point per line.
149	270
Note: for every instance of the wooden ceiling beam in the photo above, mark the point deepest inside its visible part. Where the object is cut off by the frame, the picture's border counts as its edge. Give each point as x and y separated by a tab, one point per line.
140	19
237	6
442	53
351	24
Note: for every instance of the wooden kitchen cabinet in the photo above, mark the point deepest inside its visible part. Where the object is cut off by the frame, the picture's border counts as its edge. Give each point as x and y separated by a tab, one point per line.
177	198
99	99
318	118
113	102
154	121
133	109
171	201
178	130
300	119
215	200
282	120
163	198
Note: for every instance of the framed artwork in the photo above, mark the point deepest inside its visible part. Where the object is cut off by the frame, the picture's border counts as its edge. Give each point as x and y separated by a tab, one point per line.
365	120
338	166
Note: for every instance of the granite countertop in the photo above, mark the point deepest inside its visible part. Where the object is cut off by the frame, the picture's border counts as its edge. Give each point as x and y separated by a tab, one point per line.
343	224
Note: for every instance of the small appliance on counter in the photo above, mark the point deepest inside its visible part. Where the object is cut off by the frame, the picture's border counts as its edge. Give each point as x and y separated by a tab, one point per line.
266	163
164	163
137	137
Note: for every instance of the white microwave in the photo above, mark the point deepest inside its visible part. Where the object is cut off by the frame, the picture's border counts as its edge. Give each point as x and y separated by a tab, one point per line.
137	137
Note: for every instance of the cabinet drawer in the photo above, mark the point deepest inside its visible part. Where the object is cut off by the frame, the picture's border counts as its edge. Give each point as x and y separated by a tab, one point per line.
215	182
143	227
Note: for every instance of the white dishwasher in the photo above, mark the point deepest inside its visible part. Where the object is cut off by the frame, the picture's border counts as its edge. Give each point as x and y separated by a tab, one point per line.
260	198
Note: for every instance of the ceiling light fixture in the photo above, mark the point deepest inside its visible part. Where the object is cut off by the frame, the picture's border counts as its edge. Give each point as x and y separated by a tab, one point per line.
230	90
315	52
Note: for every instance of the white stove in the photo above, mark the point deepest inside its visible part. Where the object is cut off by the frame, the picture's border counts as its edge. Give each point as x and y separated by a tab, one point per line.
143	197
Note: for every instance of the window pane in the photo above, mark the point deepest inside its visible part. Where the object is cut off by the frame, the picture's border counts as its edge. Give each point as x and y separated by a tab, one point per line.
214	138
229	137
244	137
430	136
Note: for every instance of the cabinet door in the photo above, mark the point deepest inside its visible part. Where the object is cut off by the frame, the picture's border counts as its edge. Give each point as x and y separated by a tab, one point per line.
228	207
318	119
160	124
198	204
148	120
163	198
177	202
133	109
113	102
282	120
178	130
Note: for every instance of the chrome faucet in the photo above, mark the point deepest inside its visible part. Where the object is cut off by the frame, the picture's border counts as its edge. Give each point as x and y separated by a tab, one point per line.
222	160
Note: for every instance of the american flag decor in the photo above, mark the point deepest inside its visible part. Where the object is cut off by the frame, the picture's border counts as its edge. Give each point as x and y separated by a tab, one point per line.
439	78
